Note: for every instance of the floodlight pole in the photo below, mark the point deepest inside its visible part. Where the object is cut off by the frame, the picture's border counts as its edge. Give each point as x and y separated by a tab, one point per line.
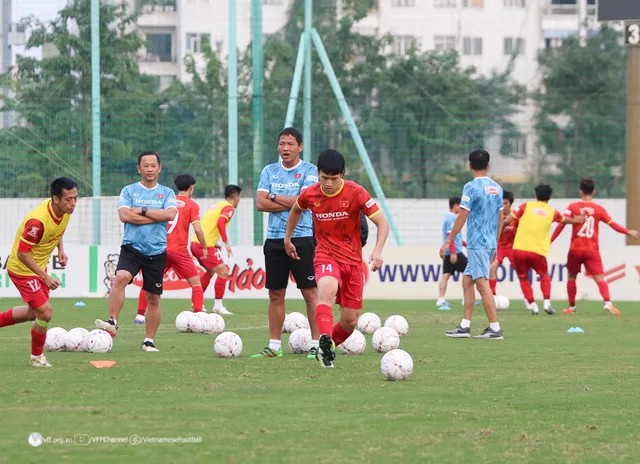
96	162
355	134
258	113
632	171
295	84
233	110
307	152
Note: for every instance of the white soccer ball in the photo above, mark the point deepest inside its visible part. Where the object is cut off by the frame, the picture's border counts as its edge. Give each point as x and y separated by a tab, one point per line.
182	321
399	324
295	321
502	303
214	324
99	341
55	340
76	339
208	322
228	345
396	365
369	323
300	341
385	339
355	344
196	323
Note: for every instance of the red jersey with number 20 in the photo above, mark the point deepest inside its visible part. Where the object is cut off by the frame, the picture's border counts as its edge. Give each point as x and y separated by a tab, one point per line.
585	237
178	229
337	219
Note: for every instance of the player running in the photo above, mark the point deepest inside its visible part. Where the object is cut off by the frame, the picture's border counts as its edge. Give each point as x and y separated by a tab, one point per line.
336	204
214	225
505	242
454	259
585	247
39	234
531	245
482	206
178	257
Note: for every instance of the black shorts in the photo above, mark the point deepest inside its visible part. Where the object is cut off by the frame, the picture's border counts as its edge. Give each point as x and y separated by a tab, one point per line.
278	264
152	267
459	266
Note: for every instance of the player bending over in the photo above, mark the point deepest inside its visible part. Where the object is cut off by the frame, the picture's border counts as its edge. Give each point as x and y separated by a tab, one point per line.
531	245
454	259
585	247
336	204
39	234
505	243
178	257
214	225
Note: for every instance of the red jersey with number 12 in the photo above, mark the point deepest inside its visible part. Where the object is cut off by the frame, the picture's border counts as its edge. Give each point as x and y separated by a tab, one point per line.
178	229
585	237
337	219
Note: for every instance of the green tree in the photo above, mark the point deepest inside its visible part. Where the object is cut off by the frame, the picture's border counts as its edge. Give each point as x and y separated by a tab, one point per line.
580	121
52	97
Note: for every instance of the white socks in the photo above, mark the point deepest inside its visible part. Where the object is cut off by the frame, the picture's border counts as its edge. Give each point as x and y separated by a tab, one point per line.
547	304
465	323
148	340
275	345
441	301
495	326
315	343
217	303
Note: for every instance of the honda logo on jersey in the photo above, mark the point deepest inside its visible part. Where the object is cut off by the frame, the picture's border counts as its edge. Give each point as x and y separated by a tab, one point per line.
332	216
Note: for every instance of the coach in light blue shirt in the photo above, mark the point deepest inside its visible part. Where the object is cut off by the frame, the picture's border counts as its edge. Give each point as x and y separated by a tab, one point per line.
145	208
279	187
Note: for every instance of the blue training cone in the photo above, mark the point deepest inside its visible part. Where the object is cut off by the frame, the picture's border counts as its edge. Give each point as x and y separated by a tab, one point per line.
80	303
575	330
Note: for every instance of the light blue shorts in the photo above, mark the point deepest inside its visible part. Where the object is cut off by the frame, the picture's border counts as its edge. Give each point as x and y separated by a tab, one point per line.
479	263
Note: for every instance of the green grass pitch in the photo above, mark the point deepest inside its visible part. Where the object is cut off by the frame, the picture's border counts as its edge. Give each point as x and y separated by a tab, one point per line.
541	395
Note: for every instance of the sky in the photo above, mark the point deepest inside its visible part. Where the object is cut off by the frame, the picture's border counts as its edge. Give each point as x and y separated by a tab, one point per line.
44	10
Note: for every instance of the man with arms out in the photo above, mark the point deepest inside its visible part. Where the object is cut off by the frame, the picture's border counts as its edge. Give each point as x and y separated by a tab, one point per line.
214	225
505	243
280	185
585	246
145	208
39	234
336	205
178	257
454	258
481	205
531	245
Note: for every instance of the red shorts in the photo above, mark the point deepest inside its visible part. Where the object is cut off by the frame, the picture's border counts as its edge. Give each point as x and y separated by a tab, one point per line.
33	290
214	259
181	263
350	280
591	260
503	253
525	260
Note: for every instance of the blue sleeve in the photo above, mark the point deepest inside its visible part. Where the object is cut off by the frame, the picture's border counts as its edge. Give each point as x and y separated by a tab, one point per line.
264	180
170	199
125	199
310	177
467	197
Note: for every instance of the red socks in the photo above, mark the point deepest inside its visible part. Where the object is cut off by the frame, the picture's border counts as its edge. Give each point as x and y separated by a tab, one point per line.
492	284
142	302
197	298
545	285
6	318
527	291
604	290
37	342
572	290
324	319
219	287
205	280
339	334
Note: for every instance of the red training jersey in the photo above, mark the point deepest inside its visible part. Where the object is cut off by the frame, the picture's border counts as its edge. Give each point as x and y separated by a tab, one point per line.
585	237
337	219
178	229
508	234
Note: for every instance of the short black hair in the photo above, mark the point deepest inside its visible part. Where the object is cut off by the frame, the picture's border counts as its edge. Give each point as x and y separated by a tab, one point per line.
479	160
231	190
454	201
543	192
331	162
508	195
148	153
291	131
60	184
184	181
587	186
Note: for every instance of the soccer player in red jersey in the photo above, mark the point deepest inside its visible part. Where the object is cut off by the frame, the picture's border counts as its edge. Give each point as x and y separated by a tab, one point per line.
505	243
585	247
335	205
178	257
